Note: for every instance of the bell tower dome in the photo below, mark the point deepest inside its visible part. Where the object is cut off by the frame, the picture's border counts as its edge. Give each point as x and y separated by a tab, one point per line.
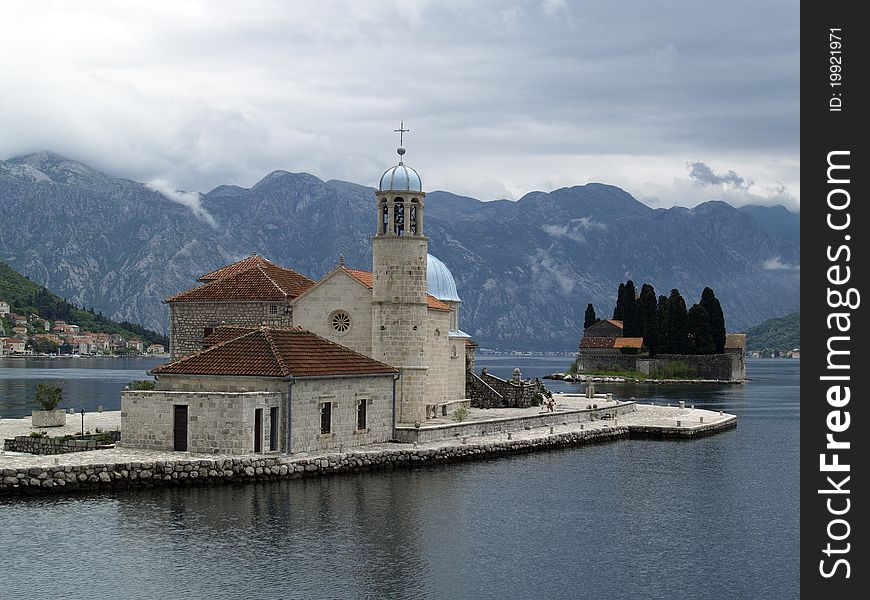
399	286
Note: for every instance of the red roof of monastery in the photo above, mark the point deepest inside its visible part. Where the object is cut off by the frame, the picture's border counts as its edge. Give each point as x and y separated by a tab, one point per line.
267	352
627	342
597	342
237	267
735	340
364	277
260	283
616	322
367	279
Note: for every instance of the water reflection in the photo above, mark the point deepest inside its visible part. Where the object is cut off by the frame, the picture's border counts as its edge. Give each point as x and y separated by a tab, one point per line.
709	519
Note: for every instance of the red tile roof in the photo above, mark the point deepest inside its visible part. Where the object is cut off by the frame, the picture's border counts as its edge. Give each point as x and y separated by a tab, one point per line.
616	322
434	303
627	342
237	267
364	277
266	352
261	283
471	343
597	342
735	340
367	279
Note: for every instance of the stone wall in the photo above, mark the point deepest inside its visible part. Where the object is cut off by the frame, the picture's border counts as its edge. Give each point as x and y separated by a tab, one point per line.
58	445
218	422
473	428
516	394
105	477
344	394
189	320
339	292
592	362
438	357
722	367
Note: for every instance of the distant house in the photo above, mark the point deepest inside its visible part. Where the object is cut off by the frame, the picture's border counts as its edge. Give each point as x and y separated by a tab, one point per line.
12	345
136	344
735	343
117	341
17	319
4	308
20	330
156	349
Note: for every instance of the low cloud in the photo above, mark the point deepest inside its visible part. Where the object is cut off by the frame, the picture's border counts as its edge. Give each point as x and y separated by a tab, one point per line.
574	230
702	174
776	264
192	200
546	271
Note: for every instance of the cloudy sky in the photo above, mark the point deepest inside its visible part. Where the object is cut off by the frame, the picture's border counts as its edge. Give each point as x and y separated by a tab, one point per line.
677	101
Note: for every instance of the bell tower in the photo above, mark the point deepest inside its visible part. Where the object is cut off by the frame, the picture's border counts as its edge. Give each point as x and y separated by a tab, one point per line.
399	287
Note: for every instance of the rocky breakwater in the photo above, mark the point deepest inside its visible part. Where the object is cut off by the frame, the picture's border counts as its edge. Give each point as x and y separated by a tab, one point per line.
189	470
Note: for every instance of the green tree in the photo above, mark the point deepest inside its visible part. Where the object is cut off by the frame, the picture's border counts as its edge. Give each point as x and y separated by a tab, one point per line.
700	335
662	329
44	346
619	311
589	318
48	396
630	320
647	312
717	318
678	324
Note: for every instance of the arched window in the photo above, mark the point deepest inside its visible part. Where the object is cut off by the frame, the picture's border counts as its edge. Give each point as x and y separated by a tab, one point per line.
385	217
399	216
412	217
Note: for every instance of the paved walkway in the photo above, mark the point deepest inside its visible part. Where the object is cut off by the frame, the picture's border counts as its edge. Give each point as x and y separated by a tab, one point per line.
646	416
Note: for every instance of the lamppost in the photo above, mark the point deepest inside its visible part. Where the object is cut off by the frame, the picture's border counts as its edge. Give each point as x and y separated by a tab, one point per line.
83	423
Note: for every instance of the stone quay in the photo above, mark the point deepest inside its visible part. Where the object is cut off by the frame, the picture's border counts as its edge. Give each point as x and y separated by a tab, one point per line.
487	435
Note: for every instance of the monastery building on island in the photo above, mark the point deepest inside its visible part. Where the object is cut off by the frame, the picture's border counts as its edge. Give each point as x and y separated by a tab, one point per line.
265	359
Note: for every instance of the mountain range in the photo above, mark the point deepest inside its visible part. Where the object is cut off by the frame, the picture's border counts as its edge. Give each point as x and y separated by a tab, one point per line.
525	269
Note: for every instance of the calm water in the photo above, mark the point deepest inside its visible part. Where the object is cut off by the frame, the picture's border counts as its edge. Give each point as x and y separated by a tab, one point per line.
713	518
86	382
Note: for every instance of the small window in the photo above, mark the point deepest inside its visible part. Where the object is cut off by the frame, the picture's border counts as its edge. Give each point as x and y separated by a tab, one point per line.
325	417
273	309
361	413
207	331
341	321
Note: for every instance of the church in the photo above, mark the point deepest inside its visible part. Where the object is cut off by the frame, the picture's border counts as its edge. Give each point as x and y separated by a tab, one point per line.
265	359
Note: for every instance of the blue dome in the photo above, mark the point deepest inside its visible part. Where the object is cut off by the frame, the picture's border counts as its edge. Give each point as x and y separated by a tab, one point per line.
400	178
440	280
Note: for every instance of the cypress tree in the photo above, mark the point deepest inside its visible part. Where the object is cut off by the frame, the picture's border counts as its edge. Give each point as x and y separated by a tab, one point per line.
717	318
619	311
678	324
630	321
700	335
662	312
589	318
647	309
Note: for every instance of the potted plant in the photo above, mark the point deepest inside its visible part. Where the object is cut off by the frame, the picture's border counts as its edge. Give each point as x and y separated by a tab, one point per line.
48	397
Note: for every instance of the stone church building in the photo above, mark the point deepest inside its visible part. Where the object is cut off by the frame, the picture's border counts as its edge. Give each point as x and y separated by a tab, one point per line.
263	358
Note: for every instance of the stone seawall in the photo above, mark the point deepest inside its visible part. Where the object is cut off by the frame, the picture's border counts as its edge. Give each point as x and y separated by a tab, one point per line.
103	477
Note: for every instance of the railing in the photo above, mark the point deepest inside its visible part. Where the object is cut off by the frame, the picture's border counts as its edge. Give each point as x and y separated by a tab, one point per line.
487	393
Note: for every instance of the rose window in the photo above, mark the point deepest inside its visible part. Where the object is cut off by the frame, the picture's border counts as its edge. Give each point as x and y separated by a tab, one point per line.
341	321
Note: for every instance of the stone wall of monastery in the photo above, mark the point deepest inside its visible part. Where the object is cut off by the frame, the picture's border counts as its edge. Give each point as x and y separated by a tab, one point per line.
438	356
314	311
218	422
308	396
189	320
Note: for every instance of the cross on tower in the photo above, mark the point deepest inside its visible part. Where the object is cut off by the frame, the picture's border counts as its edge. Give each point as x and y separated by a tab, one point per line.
401	131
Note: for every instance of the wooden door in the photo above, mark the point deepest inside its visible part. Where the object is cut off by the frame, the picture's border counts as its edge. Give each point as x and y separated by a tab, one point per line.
179	428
